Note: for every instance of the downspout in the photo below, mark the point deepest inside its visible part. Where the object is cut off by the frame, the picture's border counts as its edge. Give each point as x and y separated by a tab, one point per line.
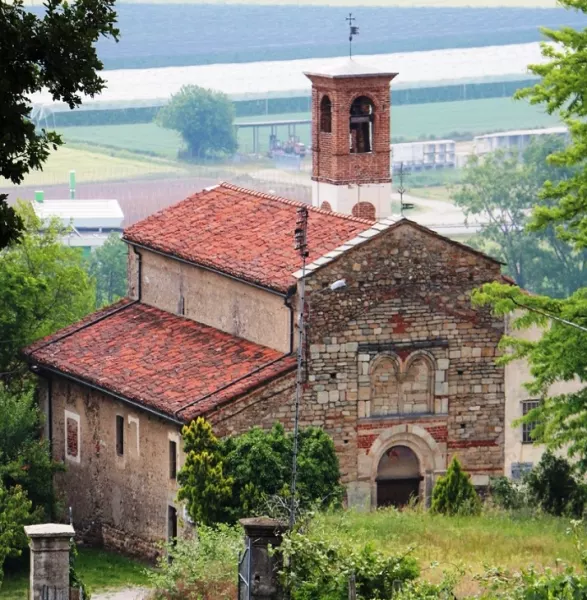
50	413
287	301
139	273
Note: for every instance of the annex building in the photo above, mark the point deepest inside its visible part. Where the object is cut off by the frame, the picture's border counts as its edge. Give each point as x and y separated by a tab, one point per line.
400	367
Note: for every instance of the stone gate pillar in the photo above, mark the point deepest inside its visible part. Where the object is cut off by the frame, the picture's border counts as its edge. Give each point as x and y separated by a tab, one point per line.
260	566
49	544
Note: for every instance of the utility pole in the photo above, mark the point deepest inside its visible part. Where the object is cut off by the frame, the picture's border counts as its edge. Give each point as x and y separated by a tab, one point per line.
401	189
301	245
353	30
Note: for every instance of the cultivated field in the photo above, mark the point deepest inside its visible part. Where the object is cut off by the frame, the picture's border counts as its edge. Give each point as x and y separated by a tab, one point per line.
409	122
94	166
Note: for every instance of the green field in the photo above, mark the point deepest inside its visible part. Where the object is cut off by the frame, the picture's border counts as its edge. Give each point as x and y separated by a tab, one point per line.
433	3
409	122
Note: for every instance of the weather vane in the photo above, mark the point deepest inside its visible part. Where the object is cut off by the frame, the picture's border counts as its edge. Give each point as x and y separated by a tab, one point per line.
353	30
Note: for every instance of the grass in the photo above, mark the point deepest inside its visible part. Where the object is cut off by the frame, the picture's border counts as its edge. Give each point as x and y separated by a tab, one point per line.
409	122
436	192
468	542
99	570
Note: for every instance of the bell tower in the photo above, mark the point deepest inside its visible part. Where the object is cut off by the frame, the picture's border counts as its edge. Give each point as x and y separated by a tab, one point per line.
351	140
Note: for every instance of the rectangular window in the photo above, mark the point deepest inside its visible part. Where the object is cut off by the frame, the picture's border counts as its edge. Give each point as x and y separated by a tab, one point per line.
72	437
119	435
172	460
528	428
171	523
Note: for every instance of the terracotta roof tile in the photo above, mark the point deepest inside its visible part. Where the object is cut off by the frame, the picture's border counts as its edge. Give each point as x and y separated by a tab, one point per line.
158	359
243	233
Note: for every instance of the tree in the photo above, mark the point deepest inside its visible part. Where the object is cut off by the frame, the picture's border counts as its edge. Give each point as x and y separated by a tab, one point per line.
54	51
15	512
107	265
501	190
561	352
43	287
454	493
203	484
204	118
25	458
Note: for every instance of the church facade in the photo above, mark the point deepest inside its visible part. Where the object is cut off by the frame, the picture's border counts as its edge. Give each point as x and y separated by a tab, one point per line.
399	366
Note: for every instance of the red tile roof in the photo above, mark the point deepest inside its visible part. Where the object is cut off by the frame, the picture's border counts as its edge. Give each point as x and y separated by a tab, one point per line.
169	363
243	233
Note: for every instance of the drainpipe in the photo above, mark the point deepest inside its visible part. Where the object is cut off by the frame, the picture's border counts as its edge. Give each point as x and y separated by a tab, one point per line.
50	413
139	273
288	302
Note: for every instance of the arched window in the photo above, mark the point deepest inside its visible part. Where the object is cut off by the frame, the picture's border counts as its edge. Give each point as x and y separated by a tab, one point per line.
326	206
385	386
326	115
364	210
361	125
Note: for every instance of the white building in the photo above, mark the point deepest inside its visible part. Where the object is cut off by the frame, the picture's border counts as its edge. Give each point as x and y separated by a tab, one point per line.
515	141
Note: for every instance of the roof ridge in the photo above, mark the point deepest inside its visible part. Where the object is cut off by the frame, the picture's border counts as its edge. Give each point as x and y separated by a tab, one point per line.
283	200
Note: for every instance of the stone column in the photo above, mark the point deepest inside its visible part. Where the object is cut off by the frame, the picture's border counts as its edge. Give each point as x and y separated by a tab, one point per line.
49	545
260	533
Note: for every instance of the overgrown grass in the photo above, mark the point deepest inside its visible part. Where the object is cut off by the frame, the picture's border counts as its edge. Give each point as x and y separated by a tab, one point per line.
468	543
99	570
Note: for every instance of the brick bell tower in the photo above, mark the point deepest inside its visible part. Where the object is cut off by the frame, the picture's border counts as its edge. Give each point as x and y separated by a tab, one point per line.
351	140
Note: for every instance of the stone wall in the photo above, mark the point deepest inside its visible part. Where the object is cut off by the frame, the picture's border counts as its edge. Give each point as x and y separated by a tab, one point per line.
120	501
212	299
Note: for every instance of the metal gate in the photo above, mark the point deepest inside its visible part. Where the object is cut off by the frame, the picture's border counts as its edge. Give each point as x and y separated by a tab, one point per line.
244	572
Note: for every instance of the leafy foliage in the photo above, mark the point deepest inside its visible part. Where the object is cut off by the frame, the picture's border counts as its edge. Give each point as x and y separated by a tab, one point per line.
223	481
507	494
55	51
553	486
15	512
43	287
203	484
204	118
454	493
107	265
25	458
502	189
321	570
203	566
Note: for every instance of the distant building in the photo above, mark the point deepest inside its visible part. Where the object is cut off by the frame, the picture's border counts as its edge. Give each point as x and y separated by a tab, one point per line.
419	156
91	221
514	142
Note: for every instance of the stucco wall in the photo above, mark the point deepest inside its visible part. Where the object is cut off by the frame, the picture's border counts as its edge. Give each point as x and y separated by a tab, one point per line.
237	308
120	501
517	373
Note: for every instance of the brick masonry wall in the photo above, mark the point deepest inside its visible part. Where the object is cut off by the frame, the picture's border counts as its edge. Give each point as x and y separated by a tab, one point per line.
332	160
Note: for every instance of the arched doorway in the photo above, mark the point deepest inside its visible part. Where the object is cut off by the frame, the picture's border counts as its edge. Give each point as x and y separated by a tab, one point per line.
398	477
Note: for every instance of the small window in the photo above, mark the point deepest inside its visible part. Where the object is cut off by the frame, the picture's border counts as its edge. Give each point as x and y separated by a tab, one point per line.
326	115
528	428
119	435
171	523
172	460
181	307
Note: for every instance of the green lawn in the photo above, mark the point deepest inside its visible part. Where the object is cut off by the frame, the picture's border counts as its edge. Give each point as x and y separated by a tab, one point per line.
409	122
99	570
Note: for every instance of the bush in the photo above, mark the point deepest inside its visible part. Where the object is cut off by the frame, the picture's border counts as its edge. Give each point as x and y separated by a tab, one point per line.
202	567
321	570
226	480
554	488
454	493
506	494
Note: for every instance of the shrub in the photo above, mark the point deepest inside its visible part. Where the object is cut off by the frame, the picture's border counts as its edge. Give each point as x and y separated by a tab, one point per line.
321	570
553	486
506	494
223	481
454	493
202	567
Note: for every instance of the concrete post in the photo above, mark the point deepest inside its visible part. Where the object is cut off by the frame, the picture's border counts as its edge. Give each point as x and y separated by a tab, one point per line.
49	545
260	533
